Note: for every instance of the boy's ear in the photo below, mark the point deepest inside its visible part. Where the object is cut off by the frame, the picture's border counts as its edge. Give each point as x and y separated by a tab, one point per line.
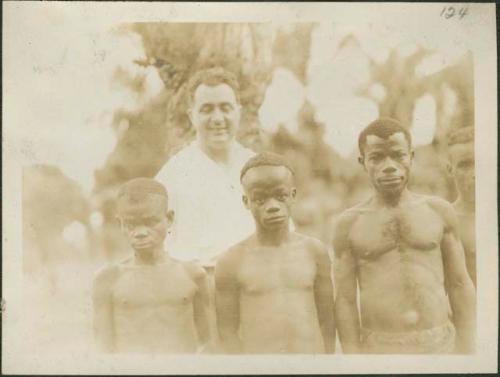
361	160
245	201
293	193
170	217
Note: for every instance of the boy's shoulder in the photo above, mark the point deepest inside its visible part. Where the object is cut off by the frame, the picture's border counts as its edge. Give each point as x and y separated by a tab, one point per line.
234	254
314	245
193	269
112	271
106	276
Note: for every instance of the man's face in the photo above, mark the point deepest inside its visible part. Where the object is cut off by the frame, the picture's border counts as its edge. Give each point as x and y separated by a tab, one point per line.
269	194
387	162
462	169
215	114
144	220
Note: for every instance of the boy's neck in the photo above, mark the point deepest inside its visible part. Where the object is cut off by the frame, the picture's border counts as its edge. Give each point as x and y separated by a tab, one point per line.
150	257
273	237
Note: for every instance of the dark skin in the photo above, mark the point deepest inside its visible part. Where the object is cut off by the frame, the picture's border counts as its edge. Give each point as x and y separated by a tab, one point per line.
274	293
399	247
461	166
150	303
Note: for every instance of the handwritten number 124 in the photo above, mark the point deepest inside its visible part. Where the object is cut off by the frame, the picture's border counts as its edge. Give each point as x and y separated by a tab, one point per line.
449	12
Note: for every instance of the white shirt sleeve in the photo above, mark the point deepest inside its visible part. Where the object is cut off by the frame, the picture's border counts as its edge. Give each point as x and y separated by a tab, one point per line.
169	177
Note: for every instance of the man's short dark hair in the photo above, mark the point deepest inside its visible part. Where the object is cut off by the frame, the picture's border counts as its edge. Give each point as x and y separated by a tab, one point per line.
212	77
139	187
383	128
463	135
265	159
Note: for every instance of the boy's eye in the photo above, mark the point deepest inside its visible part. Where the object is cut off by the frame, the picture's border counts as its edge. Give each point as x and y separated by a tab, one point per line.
144	222
281	196
152	221
259	201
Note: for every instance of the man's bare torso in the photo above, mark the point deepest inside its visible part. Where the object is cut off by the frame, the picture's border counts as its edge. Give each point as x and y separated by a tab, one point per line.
277	303
400	268
153	308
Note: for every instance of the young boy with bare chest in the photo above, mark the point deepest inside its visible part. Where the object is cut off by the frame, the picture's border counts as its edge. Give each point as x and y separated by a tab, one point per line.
274	293
149	303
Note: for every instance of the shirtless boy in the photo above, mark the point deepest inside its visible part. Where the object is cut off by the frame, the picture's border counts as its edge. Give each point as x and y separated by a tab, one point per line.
399	247
149	303
461	166
274	293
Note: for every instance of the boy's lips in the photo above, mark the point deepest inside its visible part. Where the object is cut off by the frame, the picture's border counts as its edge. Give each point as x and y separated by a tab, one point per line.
275	219
142	244
390	180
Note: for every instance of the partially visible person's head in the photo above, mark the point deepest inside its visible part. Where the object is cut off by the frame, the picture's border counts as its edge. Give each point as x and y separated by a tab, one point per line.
386	155
143	213
461	161
214	107
267	180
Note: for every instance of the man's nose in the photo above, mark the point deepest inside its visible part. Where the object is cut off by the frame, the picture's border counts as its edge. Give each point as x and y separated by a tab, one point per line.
389	166
272	206
217	116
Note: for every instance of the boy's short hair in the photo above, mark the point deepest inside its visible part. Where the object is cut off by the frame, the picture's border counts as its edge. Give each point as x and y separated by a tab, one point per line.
138	187
212	77
461	135
265	159
383	128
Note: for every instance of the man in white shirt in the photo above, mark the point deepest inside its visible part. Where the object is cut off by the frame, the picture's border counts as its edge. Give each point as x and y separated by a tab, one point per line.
203	178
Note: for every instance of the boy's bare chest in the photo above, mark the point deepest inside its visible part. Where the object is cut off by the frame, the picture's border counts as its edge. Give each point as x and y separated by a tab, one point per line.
269	270
153	286
417	228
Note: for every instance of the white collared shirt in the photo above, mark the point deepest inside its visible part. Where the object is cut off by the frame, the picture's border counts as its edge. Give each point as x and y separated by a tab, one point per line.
210	215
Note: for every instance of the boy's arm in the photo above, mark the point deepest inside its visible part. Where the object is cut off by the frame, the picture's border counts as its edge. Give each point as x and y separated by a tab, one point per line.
227	303
200	307
346	308
103	310
323	295
460	288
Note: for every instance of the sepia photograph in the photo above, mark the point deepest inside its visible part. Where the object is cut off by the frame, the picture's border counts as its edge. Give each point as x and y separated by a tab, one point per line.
243	188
